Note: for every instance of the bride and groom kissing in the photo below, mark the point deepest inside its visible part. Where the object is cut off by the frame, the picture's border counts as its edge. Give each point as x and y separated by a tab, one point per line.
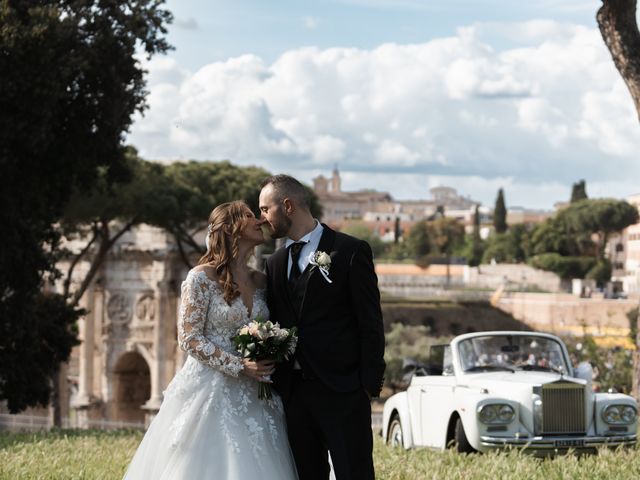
212	423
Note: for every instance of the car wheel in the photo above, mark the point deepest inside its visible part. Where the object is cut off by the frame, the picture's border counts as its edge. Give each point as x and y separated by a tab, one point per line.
394	437
462	444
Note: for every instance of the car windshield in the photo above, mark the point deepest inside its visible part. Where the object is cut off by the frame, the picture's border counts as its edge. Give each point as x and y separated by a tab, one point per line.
510	353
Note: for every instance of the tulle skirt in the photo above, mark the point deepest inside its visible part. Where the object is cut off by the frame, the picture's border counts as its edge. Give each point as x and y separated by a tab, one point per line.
213	426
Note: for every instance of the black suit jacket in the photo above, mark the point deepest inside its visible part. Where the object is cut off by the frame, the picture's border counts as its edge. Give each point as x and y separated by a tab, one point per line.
340	328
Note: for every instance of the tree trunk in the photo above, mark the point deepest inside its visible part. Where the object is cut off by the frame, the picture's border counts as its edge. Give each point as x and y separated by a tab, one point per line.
619	29
183	254
76	260
55	398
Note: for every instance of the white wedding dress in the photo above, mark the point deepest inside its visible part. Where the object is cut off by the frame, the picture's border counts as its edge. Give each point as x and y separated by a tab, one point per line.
211	424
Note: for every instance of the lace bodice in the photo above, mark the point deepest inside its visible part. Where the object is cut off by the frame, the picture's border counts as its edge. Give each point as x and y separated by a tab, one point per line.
206	322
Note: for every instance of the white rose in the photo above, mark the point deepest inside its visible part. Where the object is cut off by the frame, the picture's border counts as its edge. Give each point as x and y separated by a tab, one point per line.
323	259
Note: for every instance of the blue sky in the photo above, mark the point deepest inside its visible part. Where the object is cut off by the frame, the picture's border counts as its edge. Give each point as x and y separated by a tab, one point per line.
207	31
401	95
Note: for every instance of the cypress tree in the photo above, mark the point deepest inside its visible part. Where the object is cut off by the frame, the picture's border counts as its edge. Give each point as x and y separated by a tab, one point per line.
579	191
500	214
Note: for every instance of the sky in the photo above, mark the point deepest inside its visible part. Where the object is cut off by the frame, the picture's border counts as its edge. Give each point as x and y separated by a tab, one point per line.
400	95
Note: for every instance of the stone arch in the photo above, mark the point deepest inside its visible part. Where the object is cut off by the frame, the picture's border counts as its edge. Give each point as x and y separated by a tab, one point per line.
131	387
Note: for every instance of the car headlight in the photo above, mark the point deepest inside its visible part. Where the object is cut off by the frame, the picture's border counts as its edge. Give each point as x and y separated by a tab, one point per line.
619	414
496	413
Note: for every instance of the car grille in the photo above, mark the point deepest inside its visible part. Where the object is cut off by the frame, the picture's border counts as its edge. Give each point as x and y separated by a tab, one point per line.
563	408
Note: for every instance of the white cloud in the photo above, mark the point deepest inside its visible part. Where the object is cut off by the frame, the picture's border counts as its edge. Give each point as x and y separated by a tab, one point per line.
188	23
310	23
543	113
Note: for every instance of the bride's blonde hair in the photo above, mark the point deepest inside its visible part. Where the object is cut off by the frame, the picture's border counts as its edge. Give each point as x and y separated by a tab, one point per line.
226	223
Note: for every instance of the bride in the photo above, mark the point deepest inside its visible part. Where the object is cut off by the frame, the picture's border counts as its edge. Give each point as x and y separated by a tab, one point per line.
211	423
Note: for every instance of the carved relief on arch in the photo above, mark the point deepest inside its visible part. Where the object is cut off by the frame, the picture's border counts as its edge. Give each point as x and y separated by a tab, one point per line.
146	308
119	308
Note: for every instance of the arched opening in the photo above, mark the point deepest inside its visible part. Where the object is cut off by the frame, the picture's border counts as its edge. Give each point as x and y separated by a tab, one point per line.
131	387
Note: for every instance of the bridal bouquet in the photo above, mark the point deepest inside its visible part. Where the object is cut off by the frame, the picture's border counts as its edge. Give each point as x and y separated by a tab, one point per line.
265	340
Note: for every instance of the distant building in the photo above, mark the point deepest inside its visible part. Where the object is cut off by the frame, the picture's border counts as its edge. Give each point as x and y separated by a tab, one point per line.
339	206
624	253
380	211
516	215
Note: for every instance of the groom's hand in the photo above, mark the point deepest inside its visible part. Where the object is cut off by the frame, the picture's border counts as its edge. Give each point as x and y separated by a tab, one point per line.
258	371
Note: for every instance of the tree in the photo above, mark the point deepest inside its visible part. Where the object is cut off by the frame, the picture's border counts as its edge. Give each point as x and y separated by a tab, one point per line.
508	247
446	234
473	247
579	191
42	345
553	236
619	29
565	267
192	189
601	217
107	212
69	87
477	247
360	230
570	235
418	243
500	213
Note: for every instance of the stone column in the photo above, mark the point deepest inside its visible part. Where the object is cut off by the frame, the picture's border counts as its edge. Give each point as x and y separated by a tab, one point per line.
159	350
84	398
180	355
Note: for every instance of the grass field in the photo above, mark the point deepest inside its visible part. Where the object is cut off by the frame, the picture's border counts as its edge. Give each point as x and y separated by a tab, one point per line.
74	454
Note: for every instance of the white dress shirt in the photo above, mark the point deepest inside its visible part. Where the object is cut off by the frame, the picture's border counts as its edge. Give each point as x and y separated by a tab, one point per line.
311	241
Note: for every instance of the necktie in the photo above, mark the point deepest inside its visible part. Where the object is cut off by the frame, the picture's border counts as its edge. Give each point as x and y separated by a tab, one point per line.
295	249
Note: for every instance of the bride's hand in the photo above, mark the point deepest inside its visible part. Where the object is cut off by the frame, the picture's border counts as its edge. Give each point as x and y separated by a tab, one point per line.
259	370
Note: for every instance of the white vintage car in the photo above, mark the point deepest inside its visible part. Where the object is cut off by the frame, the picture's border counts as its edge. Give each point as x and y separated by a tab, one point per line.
493	390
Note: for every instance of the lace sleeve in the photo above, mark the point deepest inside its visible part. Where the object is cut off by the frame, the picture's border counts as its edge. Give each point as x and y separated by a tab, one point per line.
191	320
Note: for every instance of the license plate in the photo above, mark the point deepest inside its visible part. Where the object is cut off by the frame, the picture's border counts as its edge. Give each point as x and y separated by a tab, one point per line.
569	443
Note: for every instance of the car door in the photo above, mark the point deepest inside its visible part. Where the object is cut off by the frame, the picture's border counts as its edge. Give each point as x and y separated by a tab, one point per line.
437	399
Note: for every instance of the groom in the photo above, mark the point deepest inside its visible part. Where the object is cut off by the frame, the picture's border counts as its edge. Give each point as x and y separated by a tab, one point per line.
324	283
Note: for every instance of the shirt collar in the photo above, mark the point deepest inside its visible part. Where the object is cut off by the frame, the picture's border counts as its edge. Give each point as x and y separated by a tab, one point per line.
312	235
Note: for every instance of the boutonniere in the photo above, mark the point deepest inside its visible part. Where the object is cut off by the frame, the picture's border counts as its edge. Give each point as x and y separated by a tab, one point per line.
322	260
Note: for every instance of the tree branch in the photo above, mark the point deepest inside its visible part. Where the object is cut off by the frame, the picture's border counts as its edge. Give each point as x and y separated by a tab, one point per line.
619	29
74	262
106	242
183	254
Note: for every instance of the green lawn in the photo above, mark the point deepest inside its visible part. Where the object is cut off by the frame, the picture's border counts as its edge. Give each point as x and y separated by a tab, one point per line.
73	454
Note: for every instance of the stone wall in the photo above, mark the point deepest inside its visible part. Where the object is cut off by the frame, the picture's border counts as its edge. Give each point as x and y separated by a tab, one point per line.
449	318
563	313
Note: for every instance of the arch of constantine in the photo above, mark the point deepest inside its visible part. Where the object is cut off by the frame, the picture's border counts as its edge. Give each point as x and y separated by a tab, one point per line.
128	352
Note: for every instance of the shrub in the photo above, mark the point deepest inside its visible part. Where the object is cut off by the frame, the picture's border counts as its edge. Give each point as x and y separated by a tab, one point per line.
564	267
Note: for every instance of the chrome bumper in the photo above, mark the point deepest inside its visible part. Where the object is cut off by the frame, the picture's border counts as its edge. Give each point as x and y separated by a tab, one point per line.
551	444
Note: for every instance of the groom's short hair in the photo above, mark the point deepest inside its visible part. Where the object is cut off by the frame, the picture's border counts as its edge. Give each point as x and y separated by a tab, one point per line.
285	186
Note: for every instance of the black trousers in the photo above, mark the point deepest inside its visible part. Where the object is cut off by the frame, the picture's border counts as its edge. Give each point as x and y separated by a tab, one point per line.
319	419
